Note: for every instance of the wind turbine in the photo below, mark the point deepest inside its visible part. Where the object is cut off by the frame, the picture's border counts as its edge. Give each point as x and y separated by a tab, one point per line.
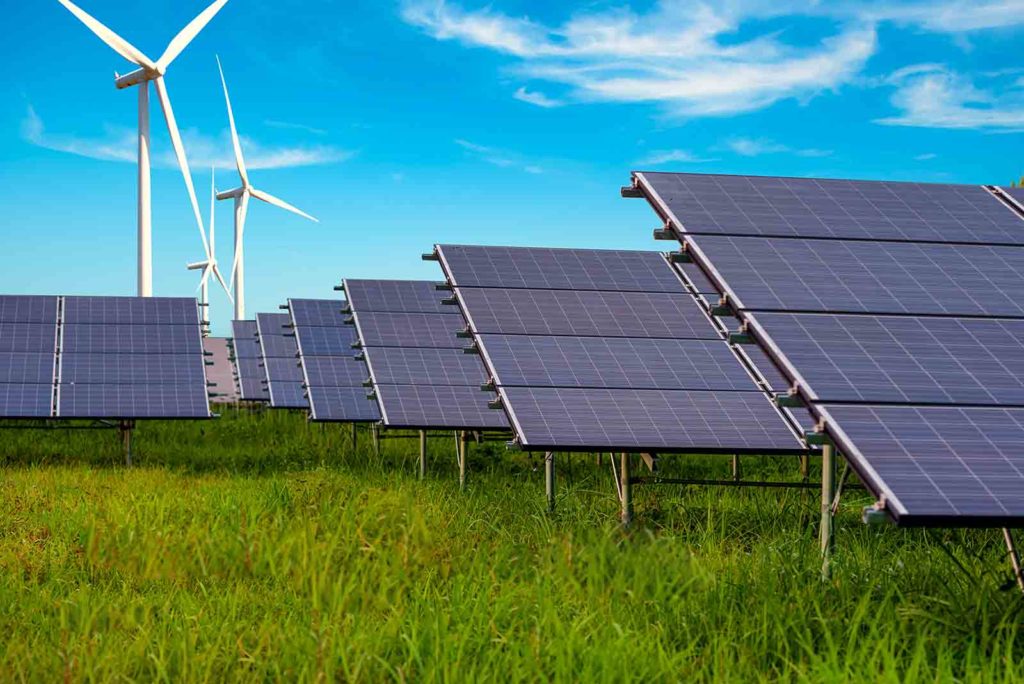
241	196
209	266
151	71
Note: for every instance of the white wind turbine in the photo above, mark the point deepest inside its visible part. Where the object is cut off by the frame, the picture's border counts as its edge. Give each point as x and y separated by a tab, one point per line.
151	71
241	196
209	265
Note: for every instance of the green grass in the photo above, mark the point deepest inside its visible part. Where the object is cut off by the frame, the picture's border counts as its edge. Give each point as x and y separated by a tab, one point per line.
259	548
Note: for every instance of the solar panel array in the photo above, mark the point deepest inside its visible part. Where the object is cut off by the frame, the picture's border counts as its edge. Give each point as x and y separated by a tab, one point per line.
420	375
101	357
279	352
625	361
332	376
249	373
896	310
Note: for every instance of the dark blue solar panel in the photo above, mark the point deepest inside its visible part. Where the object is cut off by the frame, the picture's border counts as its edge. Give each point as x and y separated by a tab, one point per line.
132	310
811	207
133	401
696	276
410	330
344	404
844	276
32	400
28	309
902	359
335	371
1016	194
28	337
937	465
646	420
434	406
283	369
405	366
285	394
317	312
26	367
244	343
132	369
622	363
131	339
604	314
395	296
280	360
766	368
253	389
560	269
316	341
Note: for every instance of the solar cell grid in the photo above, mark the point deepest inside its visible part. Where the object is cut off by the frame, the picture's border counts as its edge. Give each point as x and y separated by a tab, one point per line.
317	312
842	276
283	369
132	401
28	337
395	296
377	329
335	371
287	394
131	310
820	208
132	369
418	366
342	404
104	338
326	341
562	269
244	343
26	400
614	363
600	314
26	367
695	274
434	406
28	309
646	420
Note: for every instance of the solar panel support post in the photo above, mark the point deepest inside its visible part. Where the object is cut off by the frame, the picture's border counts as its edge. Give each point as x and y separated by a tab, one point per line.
1011	549
461	445
549	480
354	435
625	490
423	454
125	428
737	472
376	439
828	493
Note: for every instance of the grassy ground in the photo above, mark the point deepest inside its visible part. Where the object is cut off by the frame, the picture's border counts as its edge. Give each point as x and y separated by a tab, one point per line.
257	548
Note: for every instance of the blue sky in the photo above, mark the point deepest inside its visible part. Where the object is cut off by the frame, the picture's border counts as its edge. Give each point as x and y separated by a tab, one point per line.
404	124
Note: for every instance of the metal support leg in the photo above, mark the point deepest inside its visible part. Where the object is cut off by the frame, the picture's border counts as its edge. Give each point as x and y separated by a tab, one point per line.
376	439
126	441
626	489
599	455
737	473
354	439
460	449
423	454
805	467
828	493
549	480
1011	548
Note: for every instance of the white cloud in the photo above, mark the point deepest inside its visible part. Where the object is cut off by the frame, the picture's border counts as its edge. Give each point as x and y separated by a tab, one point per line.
932	96
288	125
927	156
755	147
660	157
677	54
498	157
536	98
952	16
121	145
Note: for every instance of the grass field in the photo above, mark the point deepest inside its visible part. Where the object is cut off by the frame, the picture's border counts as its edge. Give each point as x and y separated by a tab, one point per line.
256	547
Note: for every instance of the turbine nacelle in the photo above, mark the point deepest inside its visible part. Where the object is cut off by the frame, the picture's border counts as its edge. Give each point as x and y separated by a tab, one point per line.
137	77
231	194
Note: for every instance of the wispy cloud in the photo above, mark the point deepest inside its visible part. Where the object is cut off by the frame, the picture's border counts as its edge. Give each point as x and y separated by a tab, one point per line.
291	126
755	147
120	145
498	157
932	96
660	157
927	156
536	98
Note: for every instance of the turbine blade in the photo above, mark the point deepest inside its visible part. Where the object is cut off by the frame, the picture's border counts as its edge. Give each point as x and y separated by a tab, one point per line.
220	279
243	208
186	35
270	199
119	44
239	160
206	275
213	211
179	152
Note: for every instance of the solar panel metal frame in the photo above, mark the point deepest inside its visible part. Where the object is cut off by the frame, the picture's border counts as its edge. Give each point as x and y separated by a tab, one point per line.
276	344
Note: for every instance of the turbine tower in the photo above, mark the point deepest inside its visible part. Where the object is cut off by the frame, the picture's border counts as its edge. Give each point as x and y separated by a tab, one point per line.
151	71
209	265
241	197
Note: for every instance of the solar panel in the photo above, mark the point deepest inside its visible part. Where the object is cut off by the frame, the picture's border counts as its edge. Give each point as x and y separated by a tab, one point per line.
283	369
280	360
28	337
317	312
26	400
559	269
414	366
770	372
132	401
131	310
28	309
252	388
131	369
614	363
937	465
603	314
435	406
1016	194
343	404
26	367
244	342
395	296
696	276
843	276
409	330
105	338
902	359
812	207
335	371
219	371
287	394
646	420
323	341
